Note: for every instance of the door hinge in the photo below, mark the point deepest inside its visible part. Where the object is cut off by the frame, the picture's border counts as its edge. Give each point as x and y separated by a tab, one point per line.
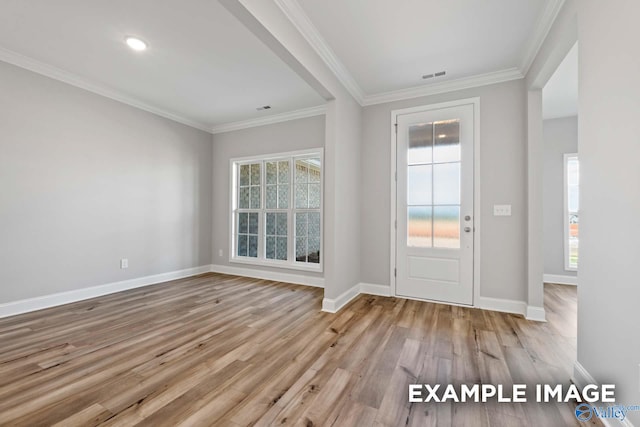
395	272
396	175
395	224
396	125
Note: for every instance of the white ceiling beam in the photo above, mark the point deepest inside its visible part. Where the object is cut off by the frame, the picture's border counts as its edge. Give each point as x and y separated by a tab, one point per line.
294	12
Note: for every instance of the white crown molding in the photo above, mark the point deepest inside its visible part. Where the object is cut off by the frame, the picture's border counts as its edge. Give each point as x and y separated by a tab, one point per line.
276	118
55	73
296	14
444	87
298	17
540	33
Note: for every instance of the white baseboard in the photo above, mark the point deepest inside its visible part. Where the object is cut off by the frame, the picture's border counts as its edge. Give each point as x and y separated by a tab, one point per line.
512	306
582	377
374	289
298	279
560	279
486	303
60	298
503	305
334	305
536	314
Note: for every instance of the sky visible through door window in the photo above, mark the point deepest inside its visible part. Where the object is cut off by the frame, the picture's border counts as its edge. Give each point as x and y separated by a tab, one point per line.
433	185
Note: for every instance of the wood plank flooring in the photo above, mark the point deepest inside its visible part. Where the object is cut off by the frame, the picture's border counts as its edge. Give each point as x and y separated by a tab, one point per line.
231	351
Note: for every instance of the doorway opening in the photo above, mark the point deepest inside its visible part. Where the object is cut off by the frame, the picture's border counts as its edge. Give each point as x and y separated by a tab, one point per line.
561	201
561	178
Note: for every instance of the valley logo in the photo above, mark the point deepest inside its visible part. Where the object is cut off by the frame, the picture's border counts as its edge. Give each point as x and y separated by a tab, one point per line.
584	411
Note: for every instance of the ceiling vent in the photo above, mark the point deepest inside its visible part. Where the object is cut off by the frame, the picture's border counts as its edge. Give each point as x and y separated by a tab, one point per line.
438	74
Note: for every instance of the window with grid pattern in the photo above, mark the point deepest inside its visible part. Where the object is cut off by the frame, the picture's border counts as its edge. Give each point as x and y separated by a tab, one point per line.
277	210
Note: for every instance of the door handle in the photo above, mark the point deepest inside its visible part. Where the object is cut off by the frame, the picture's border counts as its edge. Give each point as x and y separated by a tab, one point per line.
467	229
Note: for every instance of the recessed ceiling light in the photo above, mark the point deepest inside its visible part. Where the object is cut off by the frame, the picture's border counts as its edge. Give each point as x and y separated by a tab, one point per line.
442	135
135	43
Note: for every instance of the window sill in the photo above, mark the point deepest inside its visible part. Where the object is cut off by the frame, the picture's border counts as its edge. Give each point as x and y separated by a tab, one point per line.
277	264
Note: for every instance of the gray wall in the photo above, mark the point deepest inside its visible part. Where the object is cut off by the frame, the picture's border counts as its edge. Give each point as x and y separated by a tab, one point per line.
609	129
560	137
503	181
85	181
276	138
342	196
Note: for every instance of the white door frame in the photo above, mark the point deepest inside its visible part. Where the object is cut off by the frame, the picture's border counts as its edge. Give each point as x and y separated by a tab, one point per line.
476	188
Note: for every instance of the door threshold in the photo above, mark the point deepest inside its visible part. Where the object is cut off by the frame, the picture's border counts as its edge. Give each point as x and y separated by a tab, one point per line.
434	301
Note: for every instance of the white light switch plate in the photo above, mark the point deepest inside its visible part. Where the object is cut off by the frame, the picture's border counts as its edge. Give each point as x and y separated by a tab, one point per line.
501	210
124	263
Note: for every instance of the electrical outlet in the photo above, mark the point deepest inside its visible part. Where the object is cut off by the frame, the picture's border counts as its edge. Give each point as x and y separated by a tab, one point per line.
124	263
501	210
220	252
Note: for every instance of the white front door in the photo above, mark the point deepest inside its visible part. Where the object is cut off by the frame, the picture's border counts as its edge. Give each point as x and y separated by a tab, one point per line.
434	204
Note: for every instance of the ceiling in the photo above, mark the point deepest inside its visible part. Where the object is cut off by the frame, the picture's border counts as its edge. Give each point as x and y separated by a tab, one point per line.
560	94
202	66
388	46
205	69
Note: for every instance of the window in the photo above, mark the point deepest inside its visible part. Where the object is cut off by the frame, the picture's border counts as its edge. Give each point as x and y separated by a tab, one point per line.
434	162
276	210
571	211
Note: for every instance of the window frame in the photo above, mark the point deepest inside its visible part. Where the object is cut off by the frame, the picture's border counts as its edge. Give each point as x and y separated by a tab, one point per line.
567	247
261	260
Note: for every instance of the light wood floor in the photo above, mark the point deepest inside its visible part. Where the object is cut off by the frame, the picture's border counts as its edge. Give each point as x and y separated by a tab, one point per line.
230	351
